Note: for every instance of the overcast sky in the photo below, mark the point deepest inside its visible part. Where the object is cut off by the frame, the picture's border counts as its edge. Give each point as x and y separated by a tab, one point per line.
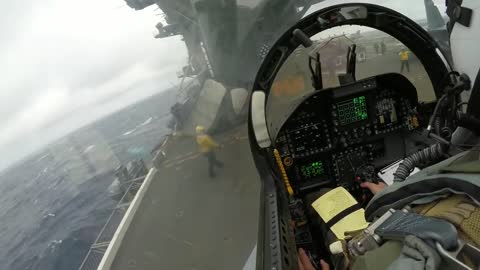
415	9
66	63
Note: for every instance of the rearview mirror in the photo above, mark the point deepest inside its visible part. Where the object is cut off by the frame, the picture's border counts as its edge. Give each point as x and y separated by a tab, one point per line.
343	14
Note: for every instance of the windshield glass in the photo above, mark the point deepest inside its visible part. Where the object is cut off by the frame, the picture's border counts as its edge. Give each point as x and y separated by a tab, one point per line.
124	135
377	53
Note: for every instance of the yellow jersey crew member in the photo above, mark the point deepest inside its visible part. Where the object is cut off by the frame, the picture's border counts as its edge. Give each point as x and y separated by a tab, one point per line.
207	146
404	55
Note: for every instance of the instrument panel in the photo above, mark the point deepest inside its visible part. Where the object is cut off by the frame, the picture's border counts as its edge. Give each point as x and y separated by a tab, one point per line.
339	136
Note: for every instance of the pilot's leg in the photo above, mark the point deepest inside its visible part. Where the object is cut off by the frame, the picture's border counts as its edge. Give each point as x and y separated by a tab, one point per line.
408	65
402	67
317	221
318	224
328	237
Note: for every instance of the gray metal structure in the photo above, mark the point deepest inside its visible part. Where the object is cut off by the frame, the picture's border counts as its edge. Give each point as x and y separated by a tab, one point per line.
231	36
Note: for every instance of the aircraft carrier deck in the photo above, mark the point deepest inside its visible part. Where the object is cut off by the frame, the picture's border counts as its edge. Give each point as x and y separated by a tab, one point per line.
187	220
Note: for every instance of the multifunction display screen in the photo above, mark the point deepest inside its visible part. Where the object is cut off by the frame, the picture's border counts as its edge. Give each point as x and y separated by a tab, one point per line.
352	110
313	169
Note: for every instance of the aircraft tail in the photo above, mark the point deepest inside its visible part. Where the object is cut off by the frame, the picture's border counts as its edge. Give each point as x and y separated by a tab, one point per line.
434	18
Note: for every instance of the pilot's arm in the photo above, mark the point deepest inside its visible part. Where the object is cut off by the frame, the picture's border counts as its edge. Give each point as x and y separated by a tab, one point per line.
374	188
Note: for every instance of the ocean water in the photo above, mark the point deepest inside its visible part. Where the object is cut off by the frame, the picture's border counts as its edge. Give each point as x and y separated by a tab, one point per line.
54	203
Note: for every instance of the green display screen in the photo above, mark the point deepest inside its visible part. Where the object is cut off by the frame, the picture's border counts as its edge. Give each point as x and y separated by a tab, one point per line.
313	169
352	110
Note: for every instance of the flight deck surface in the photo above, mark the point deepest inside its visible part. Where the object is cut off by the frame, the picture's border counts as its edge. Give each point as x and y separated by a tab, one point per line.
187	220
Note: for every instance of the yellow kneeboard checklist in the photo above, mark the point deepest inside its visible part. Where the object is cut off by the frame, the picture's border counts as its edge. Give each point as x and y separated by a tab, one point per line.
335	201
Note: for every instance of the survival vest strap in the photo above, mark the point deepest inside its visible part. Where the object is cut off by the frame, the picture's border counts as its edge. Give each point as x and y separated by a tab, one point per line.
457	175
448	192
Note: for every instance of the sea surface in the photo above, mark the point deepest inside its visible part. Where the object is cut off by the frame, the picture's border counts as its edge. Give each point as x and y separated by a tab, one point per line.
54	203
